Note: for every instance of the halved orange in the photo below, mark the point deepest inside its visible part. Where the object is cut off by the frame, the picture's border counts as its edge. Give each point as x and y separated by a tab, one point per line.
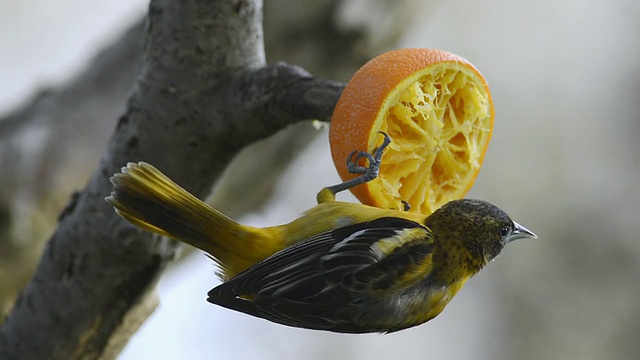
438	111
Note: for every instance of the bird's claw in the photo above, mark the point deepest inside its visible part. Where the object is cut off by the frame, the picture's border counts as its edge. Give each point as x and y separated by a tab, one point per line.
367	173
374	160
352	164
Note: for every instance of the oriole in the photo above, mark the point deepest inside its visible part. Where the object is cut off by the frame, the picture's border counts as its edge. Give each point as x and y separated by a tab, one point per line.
340	267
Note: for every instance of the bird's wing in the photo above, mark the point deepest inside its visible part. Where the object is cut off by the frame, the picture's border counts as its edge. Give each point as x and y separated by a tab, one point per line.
306	284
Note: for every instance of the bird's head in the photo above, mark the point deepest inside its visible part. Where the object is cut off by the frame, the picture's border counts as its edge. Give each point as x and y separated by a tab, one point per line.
477	226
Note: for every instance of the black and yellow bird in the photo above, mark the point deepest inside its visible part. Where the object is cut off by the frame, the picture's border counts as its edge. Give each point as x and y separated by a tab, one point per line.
340	267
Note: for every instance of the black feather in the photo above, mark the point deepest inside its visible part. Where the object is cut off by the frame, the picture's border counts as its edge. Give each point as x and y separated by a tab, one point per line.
311	283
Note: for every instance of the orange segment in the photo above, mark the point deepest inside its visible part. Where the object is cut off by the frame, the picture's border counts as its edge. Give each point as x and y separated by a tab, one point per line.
438	111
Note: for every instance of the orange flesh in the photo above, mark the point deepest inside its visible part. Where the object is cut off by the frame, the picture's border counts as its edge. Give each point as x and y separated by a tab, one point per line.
437	125
439	117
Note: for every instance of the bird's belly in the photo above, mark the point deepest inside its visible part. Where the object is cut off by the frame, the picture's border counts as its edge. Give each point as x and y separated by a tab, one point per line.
411	308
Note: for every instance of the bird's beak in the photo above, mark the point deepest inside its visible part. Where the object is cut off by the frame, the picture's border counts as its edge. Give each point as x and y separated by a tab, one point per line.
521	232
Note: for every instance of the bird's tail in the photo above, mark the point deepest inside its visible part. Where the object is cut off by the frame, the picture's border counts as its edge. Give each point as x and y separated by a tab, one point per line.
150	200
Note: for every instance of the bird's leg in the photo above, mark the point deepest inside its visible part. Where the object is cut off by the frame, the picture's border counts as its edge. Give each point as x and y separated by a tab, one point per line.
367	173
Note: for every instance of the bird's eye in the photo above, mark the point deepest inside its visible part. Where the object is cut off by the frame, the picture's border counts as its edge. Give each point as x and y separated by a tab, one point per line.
505	231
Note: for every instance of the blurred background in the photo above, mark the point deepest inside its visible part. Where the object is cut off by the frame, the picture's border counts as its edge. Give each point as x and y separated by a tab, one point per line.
564	161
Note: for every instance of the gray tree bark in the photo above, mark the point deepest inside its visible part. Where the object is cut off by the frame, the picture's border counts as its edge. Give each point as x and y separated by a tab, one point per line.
202	93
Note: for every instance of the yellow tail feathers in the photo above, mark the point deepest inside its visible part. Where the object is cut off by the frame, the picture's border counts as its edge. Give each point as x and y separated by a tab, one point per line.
148	199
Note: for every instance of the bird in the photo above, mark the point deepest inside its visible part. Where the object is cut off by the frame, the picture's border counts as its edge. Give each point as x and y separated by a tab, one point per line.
340	267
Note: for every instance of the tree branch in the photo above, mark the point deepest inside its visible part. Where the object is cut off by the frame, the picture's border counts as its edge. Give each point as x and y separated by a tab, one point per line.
202	93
